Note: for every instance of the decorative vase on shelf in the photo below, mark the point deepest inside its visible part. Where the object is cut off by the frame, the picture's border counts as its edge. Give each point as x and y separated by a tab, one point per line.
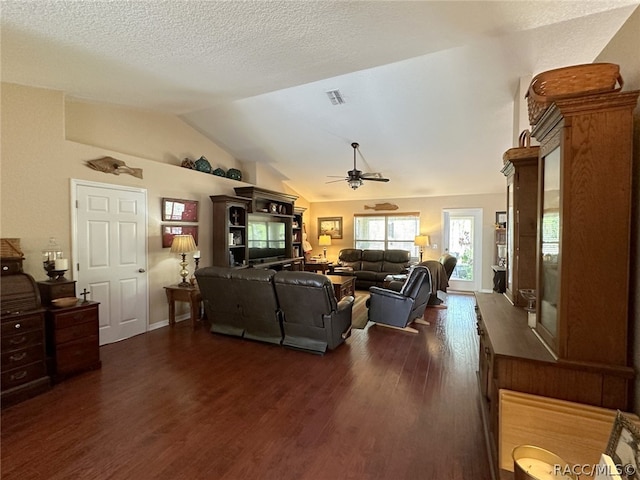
234	174
219	172
188	163
203	165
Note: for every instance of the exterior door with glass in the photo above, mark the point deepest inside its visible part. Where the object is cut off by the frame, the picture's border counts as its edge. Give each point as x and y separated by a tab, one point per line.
463	239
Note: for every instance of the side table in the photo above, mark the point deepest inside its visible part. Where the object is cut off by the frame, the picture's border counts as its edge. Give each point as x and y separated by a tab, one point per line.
499	278
318	266
343	286
176	293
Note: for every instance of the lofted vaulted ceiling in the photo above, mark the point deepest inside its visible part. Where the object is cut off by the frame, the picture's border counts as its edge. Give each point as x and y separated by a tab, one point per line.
429	86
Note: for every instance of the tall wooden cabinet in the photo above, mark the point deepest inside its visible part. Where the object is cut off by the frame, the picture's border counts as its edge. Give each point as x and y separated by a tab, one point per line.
582	245
521	170
584	228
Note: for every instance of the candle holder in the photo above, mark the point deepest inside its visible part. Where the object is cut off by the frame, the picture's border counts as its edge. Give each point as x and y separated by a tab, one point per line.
53	262
55	275
530	296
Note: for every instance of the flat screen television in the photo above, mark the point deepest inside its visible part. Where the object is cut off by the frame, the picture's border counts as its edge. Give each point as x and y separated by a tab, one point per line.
265	239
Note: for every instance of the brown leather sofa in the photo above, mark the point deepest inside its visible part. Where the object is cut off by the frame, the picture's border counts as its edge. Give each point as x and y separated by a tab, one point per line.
372	266
241	302
294	309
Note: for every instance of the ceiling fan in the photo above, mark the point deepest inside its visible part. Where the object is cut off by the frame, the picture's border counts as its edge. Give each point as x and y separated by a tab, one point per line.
355	177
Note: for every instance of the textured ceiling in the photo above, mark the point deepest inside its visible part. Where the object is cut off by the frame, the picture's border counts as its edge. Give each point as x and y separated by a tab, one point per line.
429	85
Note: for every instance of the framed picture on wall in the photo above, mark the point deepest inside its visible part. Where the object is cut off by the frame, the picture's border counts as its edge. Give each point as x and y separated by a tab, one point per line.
331	226
177	210
169	231
501	219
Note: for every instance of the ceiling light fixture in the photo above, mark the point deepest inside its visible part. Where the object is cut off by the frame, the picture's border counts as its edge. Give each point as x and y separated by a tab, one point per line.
354	182
336	97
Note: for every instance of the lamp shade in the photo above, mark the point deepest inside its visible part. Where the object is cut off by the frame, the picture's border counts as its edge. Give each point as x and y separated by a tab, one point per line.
183	244
324	240
422	240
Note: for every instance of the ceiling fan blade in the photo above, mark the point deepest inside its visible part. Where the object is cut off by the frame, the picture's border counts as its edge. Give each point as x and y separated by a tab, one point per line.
373	179
334	181
372	175
335	176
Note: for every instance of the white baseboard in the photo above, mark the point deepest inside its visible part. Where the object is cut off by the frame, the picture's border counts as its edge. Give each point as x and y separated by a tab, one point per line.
165	323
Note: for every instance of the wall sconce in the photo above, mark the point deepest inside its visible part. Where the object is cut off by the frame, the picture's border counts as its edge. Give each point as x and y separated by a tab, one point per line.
422	241
183	244
324	241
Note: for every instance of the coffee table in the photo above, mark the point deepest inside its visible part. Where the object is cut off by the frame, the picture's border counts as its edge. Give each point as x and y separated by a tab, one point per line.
343	285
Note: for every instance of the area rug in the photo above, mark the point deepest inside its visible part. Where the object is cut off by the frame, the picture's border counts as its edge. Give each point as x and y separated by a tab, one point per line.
360	311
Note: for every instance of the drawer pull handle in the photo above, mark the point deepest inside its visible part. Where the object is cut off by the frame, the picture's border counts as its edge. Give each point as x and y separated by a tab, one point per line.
16	357
17	325
5	268
18	340
19	375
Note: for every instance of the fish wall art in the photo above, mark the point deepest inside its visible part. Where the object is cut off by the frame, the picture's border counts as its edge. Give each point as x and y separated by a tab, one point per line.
113	165
381	206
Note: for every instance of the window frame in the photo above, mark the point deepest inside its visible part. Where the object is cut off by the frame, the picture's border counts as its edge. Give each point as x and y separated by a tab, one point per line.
410	241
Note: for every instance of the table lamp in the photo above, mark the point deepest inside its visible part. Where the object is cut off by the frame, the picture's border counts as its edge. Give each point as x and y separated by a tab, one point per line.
324	241
422	241
183	244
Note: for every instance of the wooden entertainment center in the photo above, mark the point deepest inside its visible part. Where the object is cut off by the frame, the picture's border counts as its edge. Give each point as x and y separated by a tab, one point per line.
234	218
578	347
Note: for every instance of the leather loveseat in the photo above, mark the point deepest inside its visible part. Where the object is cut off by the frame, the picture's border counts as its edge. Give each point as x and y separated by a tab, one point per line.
372	266
294	309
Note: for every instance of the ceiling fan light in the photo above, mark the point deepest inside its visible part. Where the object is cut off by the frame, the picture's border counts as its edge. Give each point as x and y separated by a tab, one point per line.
354	183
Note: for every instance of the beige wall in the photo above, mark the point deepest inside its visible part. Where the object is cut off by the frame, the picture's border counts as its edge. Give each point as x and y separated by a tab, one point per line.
430	209
45	143
623	50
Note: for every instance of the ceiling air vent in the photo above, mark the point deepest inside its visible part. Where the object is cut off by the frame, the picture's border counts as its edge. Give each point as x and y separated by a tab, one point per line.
336	97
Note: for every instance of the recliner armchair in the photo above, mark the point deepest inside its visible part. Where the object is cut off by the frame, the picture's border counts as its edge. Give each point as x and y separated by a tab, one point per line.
399	309
312	318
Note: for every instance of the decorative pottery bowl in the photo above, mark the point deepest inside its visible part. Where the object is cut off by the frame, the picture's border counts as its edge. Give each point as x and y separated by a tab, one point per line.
188	163
219	172
203	165
234	174
64	302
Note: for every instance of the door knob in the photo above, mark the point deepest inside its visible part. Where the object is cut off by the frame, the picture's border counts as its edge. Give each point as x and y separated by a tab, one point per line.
141	270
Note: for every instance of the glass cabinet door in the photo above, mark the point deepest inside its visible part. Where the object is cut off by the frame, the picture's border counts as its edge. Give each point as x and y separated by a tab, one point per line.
550	245
510	239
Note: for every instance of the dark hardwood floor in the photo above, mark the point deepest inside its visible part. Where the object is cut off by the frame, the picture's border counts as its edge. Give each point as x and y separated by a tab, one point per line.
179	404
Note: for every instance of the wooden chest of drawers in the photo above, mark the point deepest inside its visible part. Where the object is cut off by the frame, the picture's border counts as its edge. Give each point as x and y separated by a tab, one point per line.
22	346
72	339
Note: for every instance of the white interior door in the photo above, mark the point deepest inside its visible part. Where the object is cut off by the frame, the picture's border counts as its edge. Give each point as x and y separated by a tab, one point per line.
463	239
110	252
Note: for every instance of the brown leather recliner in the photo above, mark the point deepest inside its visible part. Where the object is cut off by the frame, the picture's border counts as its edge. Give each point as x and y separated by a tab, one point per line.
399	309
312	318
241	302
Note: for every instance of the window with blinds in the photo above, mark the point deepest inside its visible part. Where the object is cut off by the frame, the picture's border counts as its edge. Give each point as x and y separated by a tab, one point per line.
387	231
